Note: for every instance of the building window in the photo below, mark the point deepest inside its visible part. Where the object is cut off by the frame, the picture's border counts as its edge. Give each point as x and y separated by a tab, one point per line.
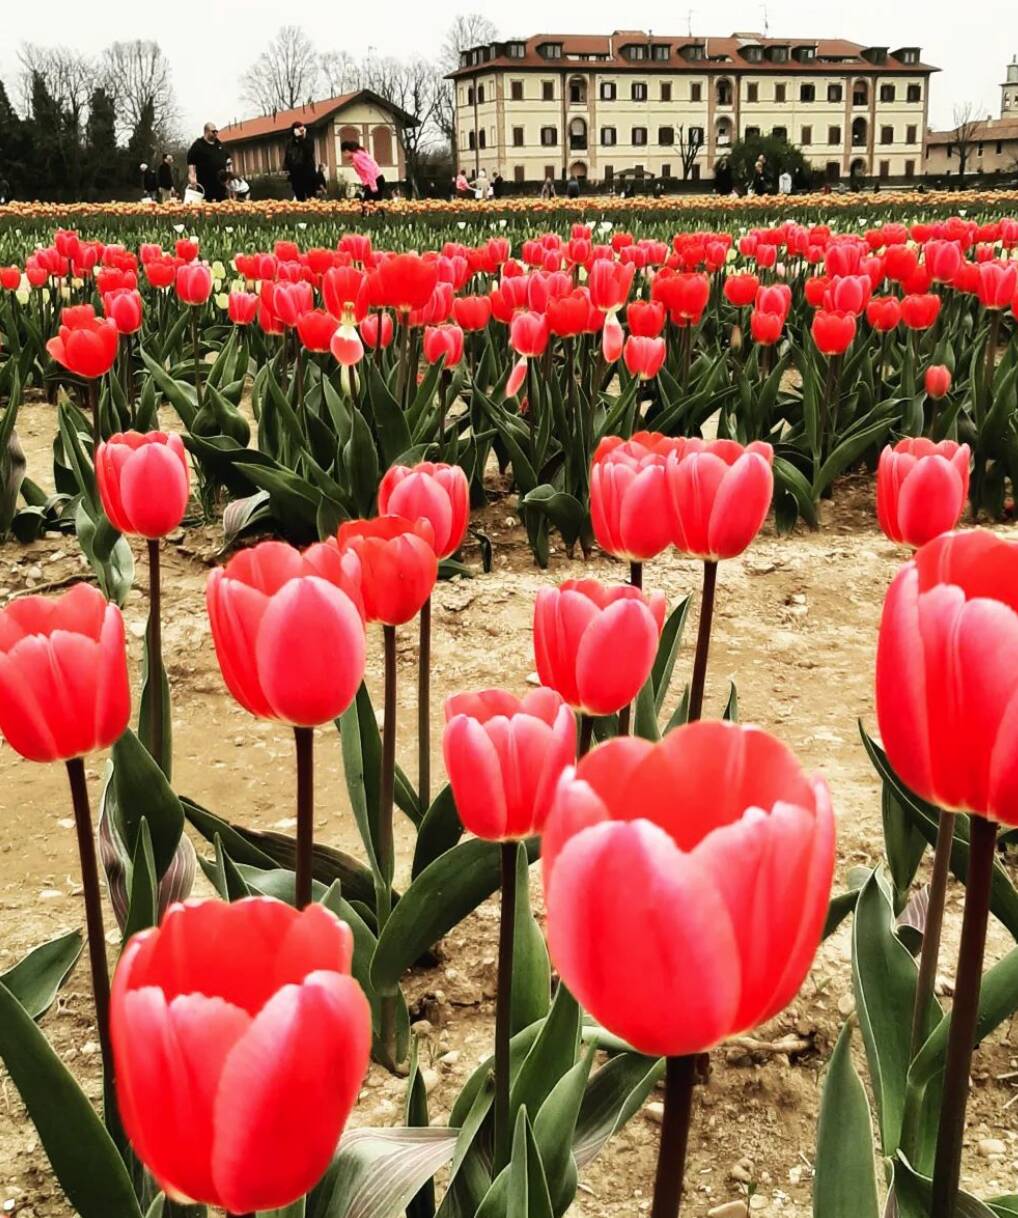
752	132
834	135
696	136
660	51
885	169
639	91
980	153
950	151
637	52
480	95
752	93
887	93
807	93
695	50
471	140
609	137
517	50
470	96
694	173
517	137
780	54
911	133
887	135
696	92
639	136
607	91
779	93
578	91
914	93
552	50
910	56
1000	148
835	93
549	171
910	169
549	136
481	142
516	90
780	133
806	137
724	92
666	91
860	93
666	135
547	90
609	174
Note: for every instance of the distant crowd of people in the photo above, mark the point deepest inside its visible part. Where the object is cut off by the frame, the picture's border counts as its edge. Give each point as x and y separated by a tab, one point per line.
212	177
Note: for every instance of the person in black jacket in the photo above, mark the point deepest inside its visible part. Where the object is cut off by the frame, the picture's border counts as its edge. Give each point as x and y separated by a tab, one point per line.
149	182
299	163
167	187
206	160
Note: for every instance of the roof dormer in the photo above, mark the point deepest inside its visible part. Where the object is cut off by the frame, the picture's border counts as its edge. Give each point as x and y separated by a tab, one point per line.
874	54
778	52
550	50
805	52
906	54
693	50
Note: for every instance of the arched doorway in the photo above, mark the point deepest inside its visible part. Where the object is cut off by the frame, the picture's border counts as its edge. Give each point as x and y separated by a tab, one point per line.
381	145
577	91
858	133
723	92
349	133
860	93
577	135
578	169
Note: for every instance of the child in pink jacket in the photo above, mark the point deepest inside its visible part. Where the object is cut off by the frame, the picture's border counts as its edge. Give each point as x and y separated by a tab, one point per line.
365	167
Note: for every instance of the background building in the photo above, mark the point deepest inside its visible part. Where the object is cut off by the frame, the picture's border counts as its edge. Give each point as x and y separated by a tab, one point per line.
670	107
977	148
258	145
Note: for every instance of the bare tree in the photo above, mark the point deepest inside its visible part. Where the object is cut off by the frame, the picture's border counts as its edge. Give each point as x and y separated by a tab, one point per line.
340	73
690	142
137	75
966	125
285	75
415	88
69	78
468	30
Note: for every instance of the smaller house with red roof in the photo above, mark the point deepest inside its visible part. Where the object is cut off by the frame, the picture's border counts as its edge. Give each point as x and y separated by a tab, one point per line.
258	145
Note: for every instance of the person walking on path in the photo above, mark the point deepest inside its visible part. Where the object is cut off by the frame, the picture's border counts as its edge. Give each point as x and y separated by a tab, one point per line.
299	163
366	168
167	186
206	162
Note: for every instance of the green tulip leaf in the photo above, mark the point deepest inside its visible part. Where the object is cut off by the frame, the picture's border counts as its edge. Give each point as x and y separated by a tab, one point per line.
377	1172
141	792
845	1183
37	977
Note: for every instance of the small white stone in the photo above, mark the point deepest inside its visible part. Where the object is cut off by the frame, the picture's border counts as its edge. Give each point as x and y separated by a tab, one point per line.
758	1202
654	1112
430	1080
846	1004
730	1209
988	1147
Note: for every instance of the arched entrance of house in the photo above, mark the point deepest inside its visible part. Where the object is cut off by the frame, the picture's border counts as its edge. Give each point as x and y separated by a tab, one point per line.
578	169
859	128
723	92
381	145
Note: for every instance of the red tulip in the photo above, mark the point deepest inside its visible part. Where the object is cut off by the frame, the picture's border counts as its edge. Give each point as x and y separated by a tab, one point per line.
900	262
288	636
528	334
397	562
504	756
629	505
766	328
719	494
937	381
242	308
77	317
644	356
947	674
63	674
124	309
404	282
612	338
240	1041
144	482
568	315
921	489
186	249
740	290
645	318
833	332
775	298
161	272
346	346
883	313
596	644
472	312
943	259
345	292
287	300
435	492
816	290
707	856
609	283
194	283
10	278
920	311
444	341
997	284
684	295
315	329
848	294
370	327
87	351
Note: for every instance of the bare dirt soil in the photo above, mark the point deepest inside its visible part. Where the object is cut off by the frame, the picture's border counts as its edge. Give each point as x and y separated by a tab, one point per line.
795	628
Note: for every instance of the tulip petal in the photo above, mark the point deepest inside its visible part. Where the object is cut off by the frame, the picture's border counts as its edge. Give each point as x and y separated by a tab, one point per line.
475	774
741	505
615	656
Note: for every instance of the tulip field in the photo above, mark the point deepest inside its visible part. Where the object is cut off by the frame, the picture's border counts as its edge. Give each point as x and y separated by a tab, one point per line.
510	713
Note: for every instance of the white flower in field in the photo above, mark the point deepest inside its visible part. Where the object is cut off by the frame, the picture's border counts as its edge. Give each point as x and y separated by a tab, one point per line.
963	211
228	228
222	301
218	270
22	295
732	254
779	270
605	226
302	224
65	292
461	223
238	285
77	283
178	228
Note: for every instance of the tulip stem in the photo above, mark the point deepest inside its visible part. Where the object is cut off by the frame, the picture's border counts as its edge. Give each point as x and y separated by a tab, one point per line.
991	357
930	955
403	375
636	574
304	738
196	356
386	789
710	577
503	1008
636	581
154	639
586	734
424	710
680	1079
964	1017
93	907
93	402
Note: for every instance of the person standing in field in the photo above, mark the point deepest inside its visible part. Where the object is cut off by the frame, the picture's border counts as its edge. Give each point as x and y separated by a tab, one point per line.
366	168
206	162
167	187
299	163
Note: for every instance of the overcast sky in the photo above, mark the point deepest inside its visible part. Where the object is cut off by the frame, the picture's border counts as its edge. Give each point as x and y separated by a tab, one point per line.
211	42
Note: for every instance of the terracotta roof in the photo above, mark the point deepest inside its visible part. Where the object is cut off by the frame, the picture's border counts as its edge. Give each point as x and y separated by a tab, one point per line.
311	113
988	129
721	53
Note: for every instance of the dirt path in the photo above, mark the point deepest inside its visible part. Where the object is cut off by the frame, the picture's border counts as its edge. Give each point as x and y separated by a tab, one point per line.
795	628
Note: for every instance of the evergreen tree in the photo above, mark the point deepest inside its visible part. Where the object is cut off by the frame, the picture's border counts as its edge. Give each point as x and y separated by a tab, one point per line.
106	170
142	144
15	148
